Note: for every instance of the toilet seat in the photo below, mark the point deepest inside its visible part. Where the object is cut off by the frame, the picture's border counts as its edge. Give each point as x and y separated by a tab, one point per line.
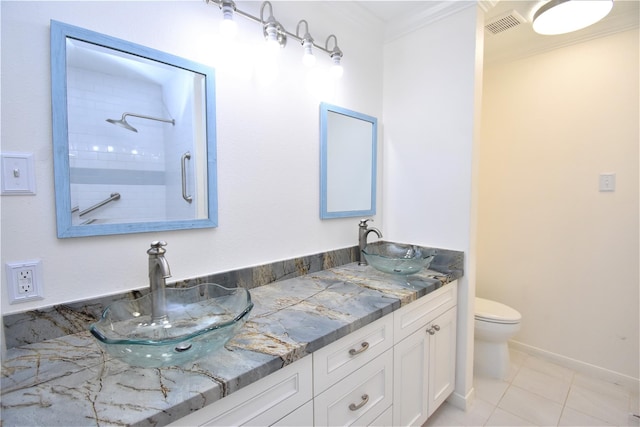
495	312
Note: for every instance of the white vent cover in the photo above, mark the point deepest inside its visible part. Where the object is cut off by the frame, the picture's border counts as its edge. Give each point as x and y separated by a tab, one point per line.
504	22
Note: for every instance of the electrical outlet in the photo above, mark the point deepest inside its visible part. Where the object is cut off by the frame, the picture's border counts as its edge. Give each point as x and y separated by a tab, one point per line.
24	280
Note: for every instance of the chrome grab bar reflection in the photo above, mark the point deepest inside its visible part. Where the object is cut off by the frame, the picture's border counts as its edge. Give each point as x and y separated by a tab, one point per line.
114	196
185	196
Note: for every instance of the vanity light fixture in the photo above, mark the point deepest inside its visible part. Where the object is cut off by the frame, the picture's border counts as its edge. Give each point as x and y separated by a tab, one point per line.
123	121
307	44
276	35
336	56
565	16
273	32
228	27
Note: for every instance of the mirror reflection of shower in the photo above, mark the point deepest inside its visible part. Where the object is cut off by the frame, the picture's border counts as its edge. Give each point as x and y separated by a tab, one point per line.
123	121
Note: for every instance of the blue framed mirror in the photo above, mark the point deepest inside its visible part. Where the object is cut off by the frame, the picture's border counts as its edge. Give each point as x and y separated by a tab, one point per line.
134	137
348	162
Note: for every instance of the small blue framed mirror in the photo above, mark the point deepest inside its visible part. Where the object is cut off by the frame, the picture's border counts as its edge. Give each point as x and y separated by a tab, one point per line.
348	159
134	137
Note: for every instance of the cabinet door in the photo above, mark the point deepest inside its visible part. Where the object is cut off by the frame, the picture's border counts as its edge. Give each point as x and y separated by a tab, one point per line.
442	359
411	379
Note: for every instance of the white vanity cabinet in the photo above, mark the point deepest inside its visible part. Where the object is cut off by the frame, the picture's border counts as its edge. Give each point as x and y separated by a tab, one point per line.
424	356
395	371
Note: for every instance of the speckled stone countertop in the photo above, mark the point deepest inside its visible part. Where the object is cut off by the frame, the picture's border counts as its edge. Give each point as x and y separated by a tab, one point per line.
69	380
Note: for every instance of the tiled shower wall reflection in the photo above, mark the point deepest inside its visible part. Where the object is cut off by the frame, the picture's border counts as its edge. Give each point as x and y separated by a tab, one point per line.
105	158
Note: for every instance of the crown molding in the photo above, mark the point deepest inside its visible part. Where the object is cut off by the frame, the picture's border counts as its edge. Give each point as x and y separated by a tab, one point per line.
432	12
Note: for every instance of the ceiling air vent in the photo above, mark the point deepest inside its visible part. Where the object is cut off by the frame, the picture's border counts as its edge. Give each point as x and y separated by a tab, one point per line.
504	22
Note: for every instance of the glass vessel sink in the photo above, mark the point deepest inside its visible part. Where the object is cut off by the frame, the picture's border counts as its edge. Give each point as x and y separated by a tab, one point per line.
199	321
396	258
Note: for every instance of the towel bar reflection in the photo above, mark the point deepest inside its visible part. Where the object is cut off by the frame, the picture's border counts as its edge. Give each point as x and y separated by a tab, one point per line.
186	156
114	196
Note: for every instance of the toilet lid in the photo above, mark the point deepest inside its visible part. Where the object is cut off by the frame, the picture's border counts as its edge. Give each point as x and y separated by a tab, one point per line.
493	311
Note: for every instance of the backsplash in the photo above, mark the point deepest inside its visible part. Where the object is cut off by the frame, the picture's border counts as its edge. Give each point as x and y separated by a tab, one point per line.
65	319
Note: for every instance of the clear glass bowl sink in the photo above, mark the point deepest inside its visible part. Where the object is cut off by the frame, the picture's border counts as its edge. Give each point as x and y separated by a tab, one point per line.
398	259
200	320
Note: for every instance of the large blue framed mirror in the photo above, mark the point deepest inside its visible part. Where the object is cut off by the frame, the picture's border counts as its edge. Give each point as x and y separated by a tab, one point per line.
134	137
348	162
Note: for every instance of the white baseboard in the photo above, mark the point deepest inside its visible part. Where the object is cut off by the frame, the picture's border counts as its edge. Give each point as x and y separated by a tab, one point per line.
579	366
460	401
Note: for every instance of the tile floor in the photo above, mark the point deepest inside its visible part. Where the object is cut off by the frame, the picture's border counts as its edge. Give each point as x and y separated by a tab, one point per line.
541	393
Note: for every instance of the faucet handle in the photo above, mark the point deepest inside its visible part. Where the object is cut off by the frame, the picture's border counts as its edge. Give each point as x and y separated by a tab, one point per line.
363	222
157	247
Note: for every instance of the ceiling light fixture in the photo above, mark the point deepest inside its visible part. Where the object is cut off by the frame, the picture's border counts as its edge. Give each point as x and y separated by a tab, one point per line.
276	35
565	16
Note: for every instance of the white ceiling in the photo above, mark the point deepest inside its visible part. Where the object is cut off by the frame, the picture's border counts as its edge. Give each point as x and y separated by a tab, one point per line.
400	17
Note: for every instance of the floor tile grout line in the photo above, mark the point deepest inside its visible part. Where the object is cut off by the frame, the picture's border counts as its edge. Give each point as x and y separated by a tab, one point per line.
566	397
569	377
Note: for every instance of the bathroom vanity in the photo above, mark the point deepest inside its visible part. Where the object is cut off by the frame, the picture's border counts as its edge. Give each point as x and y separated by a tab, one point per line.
337	346
395	371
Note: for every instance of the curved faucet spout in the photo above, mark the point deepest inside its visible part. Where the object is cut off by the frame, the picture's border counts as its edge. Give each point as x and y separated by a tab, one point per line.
374	230
363	233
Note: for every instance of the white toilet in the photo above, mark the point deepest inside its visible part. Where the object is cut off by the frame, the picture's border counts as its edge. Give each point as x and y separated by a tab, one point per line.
495	323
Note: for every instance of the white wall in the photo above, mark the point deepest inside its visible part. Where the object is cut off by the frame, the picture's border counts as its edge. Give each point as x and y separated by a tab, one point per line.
268	142
549	243
432	82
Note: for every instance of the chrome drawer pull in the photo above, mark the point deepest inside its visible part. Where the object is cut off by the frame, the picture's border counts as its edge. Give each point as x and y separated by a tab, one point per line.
436	327
365	399
363	347
431	331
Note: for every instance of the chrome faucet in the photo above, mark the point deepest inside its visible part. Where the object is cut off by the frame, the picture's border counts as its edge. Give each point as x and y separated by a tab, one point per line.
158	272
363	232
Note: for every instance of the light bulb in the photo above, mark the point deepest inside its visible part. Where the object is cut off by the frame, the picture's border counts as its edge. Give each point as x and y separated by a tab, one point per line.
336	70
228	27
273	45
308	59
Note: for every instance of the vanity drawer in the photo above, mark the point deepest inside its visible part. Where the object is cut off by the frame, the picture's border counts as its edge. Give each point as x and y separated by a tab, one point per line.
414	316
360	398
261	403
340	358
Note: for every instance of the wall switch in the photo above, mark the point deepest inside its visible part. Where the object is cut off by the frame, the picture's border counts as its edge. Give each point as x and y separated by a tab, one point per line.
607	182
24	280
18	174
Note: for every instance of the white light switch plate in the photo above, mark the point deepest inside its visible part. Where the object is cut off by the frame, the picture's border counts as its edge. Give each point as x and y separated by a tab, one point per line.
607	182
18	174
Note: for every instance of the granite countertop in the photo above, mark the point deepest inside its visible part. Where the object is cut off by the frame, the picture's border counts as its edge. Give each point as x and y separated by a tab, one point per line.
70	381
